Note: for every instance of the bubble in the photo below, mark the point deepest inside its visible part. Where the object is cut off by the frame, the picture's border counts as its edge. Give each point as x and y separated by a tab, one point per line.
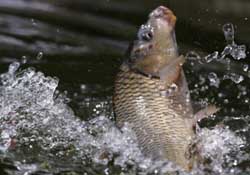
173	87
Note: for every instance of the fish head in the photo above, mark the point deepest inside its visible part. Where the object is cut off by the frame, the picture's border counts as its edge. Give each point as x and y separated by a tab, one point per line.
155	46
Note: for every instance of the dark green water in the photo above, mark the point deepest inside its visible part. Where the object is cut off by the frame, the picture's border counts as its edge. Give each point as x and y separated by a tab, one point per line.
82	42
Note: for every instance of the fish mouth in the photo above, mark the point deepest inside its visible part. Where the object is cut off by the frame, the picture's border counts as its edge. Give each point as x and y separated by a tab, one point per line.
165	14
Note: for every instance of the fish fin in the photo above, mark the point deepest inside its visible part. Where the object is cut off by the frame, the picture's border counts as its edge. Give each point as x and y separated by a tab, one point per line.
170	73
204	113
124	67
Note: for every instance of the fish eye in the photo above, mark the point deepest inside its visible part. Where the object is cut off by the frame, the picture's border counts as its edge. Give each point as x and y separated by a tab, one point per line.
145	34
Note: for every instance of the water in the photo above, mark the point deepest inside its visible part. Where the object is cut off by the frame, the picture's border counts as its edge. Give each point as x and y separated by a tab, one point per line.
35	118
65	124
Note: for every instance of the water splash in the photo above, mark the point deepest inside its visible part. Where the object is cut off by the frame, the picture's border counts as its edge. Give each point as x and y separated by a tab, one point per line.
236	51
234	77
214	80
232	49
211	57
24	59
245	67
36	118
229	33
217	147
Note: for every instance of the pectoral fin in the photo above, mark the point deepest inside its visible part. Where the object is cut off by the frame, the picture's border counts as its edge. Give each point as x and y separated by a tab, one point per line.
170	73
204	113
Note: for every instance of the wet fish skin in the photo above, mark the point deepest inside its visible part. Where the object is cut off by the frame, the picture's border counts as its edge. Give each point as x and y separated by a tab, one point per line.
151	93
158	122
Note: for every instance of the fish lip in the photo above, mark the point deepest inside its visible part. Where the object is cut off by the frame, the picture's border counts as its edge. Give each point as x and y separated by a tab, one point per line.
165	14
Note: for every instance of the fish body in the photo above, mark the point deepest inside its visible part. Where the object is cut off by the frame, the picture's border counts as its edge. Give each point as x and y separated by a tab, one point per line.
151	92
158	122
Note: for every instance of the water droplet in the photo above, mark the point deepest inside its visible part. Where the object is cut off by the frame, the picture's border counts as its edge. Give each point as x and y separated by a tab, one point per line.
245	67
228	30
234	77
228	63
211	57
247	100
193	55
220	95
173	87
106	171
226	101
13	67
227	51
202	80
238	51
39	55
213	79
83	87
24	59
33	22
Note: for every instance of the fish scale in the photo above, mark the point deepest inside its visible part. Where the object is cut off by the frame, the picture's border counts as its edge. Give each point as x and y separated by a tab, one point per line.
159	125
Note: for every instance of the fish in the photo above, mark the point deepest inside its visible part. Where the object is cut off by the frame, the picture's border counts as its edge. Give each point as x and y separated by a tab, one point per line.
151	93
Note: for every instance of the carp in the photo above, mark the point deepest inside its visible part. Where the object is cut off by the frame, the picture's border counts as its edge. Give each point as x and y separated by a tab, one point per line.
152	95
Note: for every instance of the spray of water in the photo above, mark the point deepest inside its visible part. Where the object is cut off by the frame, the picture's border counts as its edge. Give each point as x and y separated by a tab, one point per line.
39	132
36	118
